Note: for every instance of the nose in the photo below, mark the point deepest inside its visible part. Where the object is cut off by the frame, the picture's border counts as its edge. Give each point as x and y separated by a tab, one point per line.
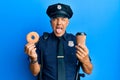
59	21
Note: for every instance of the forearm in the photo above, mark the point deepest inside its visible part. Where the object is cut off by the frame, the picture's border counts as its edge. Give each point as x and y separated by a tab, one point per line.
35	68
87	67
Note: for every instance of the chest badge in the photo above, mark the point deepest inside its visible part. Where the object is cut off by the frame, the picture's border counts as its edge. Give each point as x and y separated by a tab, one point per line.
70	43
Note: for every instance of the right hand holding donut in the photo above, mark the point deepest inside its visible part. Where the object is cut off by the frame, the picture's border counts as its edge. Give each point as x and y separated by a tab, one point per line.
30	50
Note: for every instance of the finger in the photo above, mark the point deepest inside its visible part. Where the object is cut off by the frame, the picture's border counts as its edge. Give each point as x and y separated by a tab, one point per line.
80	54
80	50
33	53
79	57
28	46
83	48
30	49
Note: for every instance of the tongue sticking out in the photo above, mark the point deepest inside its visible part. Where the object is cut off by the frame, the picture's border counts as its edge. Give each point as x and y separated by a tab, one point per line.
59	31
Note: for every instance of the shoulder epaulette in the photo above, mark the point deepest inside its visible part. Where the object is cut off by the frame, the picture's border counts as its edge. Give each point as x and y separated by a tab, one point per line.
45	35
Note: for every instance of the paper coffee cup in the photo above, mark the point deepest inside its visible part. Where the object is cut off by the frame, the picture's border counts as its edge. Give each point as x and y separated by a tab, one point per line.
81	38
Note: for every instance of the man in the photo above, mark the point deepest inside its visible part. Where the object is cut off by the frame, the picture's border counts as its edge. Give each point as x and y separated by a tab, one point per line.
45	53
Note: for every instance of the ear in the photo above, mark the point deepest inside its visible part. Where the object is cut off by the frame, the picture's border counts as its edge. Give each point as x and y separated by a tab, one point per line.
68	22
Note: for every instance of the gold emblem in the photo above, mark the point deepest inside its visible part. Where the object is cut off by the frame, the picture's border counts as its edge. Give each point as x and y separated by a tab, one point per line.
70	43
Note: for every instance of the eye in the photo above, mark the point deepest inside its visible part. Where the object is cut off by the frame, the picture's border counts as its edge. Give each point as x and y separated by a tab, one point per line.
63	19
53	19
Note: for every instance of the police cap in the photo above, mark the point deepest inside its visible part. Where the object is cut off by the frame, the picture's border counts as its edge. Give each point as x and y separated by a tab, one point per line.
59	10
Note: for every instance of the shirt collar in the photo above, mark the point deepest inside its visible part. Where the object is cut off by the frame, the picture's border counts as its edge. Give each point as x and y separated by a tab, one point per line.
64	36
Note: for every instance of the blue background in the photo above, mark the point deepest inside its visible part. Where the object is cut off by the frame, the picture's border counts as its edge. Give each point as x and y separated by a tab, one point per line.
100	19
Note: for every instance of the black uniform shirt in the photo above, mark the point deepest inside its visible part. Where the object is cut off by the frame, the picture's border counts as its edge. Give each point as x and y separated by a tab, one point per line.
49	50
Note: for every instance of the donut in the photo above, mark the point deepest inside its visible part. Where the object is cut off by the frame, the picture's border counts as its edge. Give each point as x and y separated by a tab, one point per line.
32	37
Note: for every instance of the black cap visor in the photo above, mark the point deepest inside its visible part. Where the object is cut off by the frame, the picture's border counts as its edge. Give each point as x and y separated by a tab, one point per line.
59	14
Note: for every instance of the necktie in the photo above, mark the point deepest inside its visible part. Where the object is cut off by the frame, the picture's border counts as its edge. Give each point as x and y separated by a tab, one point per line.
60	58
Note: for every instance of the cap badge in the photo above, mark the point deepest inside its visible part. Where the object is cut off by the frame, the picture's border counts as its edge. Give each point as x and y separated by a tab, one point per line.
59	7
70	43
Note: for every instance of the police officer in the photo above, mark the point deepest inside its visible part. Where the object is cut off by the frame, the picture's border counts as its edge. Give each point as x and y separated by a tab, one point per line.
48	47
